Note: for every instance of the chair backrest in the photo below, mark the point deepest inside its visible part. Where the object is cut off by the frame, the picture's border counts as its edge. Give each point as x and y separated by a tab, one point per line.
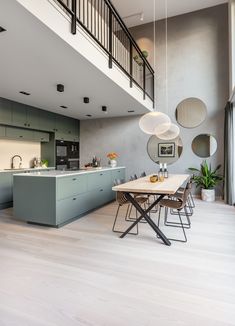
143	174
118	182
133	177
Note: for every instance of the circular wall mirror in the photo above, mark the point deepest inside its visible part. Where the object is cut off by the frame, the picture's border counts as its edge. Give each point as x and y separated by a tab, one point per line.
161	151
191	112
204	145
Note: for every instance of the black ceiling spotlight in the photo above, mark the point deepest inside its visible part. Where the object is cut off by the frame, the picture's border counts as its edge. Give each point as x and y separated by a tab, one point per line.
104	109
86	100
60	88
88	115
131	111
64	107
24	93
2	29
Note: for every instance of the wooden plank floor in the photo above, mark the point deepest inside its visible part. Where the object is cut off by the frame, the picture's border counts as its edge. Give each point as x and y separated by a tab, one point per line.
83	274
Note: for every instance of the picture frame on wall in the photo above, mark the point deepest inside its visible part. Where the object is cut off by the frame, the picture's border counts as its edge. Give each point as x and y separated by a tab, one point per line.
166	149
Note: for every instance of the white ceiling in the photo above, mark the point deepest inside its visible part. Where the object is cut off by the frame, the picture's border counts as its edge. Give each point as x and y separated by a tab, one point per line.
34	59
157	11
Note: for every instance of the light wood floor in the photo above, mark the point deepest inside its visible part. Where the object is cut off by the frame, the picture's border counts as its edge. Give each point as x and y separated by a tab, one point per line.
83	274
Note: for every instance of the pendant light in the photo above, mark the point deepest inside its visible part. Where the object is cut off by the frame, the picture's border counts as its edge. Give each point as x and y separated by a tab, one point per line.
172	130
170	133
153	122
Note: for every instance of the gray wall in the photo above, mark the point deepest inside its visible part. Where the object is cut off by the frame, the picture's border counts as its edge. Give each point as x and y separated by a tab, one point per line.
197	67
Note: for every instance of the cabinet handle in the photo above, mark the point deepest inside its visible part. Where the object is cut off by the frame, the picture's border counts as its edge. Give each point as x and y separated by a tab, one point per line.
21	136
29	125
101	173
74	198
74	179
25	124
101	189
42	138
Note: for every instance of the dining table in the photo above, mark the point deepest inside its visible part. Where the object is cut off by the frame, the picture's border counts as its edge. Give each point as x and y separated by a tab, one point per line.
159	189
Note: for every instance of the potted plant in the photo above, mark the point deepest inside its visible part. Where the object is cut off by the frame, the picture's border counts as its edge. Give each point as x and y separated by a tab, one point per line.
207	179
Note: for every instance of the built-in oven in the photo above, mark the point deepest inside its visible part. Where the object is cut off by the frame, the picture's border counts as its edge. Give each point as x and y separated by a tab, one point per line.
67	155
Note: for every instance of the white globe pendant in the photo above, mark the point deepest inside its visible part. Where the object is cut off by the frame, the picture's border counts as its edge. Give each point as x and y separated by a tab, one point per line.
171	133
153	122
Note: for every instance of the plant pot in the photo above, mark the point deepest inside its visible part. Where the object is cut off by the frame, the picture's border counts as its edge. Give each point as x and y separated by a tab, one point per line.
208	195
113	163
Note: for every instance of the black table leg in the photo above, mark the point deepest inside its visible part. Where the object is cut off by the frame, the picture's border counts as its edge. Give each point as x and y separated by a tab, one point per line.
144	214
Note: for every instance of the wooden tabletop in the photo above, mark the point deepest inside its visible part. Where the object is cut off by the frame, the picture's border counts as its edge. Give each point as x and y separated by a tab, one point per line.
143	185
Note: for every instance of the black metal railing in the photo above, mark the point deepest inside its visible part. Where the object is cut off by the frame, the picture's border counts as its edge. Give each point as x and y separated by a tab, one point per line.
102	22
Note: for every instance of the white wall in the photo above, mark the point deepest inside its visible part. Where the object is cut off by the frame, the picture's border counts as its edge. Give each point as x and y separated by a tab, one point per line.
27	150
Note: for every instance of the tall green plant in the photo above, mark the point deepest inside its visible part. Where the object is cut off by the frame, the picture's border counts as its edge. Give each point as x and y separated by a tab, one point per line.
206	177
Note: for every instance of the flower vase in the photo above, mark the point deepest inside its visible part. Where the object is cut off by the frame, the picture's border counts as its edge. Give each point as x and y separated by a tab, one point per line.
113	163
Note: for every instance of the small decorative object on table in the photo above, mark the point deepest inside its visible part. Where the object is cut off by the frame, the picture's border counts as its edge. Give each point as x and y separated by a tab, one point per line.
165	171
153	178
45	163
161	173
112	159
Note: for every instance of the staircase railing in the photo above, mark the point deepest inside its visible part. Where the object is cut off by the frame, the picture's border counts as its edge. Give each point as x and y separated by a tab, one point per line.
102	22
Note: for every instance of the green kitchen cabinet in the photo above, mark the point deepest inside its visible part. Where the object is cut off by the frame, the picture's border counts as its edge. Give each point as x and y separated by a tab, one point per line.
99	180
20	134
54	201
5	111
19	115
71	186
47	121
61	124
40	136
32	118
5	189
2	131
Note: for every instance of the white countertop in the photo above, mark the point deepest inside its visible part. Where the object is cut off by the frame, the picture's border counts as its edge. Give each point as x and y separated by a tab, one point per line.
57	173
26	169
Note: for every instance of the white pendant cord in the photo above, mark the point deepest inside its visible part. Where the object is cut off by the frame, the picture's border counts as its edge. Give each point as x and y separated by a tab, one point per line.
166	54
154	52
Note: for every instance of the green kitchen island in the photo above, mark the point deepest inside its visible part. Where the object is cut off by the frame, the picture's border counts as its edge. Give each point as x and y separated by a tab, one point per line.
55	198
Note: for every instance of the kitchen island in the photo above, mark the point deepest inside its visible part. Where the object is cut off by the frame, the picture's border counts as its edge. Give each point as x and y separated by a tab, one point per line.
55	198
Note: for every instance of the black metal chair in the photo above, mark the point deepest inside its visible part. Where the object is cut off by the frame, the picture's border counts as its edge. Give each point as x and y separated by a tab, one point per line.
179	205
122	201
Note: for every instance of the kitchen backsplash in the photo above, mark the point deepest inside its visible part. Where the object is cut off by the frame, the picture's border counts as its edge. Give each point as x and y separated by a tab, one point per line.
27	150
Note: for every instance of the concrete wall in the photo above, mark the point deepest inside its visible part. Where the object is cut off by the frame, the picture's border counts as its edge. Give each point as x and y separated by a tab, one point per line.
197	67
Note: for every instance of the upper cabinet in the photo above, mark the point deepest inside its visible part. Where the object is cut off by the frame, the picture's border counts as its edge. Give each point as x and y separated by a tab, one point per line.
46	121
20	115
5	111
25	116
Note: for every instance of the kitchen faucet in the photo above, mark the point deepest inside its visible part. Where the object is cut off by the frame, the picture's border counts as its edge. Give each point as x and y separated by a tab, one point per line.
13	164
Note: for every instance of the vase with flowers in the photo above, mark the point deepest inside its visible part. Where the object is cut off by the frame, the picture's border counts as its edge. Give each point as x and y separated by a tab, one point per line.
112	159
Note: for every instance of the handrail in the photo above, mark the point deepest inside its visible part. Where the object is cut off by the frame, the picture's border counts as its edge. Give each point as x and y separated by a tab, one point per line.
100	16
109	3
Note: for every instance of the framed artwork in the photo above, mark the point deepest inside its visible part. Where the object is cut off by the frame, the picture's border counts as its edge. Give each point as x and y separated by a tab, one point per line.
166	149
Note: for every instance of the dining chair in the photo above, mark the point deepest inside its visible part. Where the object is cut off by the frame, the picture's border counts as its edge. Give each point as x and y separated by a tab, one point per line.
178	204
122	201
190	201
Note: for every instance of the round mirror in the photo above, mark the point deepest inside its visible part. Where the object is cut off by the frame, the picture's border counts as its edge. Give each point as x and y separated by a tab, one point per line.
161	151
204	145
191	112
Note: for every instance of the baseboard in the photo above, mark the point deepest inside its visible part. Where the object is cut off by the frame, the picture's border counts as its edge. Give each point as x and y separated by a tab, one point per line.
6	205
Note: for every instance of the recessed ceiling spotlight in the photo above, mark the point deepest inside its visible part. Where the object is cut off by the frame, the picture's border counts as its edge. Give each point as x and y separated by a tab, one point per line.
24	93
2	29
86	100
64	107
104	109
131	111
88	115
60	88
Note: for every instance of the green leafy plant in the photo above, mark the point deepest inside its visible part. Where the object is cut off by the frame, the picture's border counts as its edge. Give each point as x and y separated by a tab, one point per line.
207	178
45	162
